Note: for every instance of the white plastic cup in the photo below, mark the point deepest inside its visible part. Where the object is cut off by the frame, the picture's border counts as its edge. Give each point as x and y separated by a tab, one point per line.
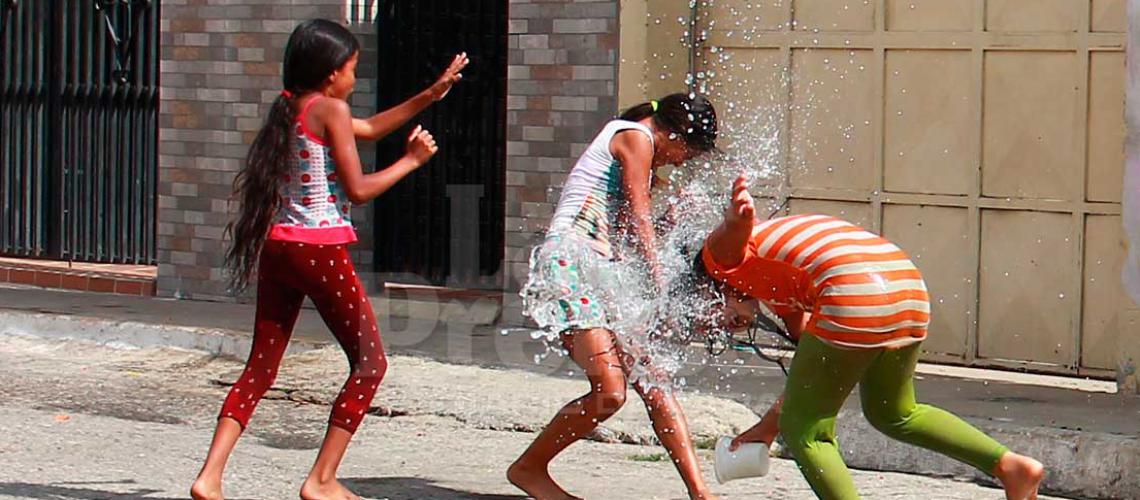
749	460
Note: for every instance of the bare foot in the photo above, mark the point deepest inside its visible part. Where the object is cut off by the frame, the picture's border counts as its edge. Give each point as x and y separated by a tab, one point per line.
537	483
206	489
331	490
1020	476
703	495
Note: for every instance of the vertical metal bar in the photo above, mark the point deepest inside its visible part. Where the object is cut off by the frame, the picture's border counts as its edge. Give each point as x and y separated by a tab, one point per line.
130	223
152	136
16	182
93	130
20	186
26	94
102	155
107	93
118	196
5	18
82	217
122	168
128	141
121	165
74	131
37	168
9	110
12	163
134	141
55	47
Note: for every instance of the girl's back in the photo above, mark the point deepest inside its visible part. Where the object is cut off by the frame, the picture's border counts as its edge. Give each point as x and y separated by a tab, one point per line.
314	207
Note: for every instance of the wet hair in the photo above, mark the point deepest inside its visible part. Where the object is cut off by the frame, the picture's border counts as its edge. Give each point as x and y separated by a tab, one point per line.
765	319
315	50
690	116
694	300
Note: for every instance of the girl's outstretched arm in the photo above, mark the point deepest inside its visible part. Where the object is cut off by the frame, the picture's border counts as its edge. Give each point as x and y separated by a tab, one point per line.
361	187
728	243
634	152
381	124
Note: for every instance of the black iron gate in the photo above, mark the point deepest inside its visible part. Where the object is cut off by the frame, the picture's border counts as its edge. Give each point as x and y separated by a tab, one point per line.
78	129
444	224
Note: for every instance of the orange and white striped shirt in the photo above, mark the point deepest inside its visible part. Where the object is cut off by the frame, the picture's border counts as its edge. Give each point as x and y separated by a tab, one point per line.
862	290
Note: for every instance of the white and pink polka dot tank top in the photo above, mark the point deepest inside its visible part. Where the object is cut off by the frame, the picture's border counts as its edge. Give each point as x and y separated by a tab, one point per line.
314	208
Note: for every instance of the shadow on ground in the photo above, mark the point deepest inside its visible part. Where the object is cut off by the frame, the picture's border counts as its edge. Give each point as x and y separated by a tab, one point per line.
414	488
81	490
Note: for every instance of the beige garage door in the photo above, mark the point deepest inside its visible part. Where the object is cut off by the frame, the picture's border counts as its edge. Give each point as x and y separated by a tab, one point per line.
985	137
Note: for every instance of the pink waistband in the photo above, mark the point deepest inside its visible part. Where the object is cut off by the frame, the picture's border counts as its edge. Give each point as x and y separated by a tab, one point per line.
337	235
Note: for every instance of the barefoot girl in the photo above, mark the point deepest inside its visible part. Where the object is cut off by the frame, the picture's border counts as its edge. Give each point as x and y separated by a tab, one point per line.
301	177
605	203
860	309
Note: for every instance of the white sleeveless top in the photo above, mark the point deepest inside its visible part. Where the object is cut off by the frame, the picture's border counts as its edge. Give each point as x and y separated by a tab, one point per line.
314	207
593	195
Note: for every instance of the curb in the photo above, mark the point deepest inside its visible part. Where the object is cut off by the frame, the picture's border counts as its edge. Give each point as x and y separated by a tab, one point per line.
130	334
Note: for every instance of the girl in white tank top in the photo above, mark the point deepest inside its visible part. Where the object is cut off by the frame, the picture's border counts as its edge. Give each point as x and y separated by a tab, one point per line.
568	293
592	195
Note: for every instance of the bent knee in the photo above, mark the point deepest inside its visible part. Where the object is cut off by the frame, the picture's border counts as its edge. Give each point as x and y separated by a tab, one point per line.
608	398
373	365
612	399
887	420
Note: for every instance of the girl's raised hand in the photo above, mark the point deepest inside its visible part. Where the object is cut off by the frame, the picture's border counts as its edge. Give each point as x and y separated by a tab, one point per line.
421	146
742	208
449	77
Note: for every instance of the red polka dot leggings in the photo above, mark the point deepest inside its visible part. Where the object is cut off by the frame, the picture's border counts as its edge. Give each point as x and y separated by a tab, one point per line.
287	273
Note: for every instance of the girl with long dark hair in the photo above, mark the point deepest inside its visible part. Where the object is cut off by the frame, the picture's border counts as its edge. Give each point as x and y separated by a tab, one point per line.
301	177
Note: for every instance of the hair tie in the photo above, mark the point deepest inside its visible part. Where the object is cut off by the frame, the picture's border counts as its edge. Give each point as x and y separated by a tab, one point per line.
286	94
654	105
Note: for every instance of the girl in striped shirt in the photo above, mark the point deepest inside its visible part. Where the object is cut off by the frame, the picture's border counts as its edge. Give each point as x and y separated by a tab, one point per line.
860	310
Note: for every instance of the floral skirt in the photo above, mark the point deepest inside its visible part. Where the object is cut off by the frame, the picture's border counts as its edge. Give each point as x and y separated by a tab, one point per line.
573	287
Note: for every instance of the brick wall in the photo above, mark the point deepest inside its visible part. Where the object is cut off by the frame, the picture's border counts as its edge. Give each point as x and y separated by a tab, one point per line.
562	88
221	68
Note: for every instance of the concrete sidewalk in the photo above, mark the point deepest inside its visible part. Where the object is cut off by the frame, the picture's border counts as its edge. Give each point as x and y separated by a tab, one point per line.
1088	439
439	431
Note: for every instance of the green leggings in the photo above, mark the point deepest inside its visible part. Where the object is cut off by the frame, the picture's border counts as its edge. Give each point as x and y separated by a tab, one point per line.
821	378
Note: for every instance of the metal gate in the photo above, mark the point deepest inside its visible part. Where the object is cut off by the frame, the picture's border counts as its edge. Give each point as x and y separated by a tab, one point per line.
444	224
78	129
985	137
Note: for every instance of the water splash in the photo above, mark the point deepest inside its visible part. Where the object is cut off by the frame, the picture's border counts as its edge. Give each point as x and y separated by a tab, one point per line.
765	114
